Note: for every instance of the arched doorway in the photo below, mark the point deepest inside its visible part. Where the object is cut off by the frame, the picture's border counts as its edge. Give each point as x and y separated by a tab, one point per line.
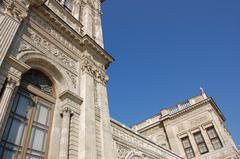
26	134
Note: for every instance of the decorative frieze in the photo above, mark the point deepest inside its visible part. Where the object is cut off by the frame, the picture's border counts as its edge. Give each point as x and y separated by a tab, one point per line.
88	66
45	44
46	27
141	143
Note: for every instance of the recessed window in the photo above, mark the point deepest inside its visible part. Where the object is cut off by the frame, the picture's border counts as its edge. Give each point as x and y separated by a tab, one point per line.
216	142
200	143
188	147
26	133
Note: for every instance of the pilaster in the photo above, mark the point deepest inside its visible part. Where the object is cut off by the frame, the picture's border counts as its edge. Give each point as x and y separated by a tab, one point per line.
70	112
95	113
13	70
12	14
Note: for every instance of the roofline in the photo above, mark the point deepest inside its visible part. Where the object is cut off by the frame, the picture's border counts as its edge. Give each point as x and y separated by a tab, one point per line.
209	99
141	136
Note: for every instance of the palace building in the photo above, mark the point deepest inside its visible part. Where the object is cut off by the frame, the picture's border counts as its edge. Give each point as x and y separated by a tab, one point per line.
53	94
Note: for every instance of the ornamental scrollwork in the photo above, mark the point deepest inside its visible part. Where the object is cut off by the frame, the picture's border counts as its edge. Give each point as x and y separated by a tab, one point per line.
90	67
43	43
121	151
13	10
73	78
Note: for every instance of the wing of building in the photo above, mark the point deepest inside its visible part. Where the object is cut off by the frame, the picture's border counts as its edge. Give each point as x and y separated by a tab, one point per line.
53	96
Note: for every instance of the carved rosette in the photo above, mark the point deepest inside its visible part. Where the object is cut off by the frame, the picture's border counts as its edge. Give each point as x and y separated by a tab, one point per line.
90	67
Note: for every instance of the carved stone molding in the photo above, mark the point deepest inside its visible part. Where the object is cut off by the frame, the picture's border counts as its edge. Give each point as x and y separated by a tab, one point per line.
15	10
13	69
121	151
127	136
89	66
71	101
56	52
135	154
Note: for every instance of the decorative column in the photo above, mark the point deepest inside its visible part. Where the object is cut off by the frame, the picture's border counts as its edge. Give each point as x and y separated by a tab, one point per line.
95	113
70	106
64	142
11	18
6	97
13	70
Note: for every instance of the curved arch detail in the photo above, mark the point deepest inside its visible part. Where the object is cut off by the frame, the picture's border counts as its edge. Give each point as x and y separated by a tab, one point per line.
40	62
134	155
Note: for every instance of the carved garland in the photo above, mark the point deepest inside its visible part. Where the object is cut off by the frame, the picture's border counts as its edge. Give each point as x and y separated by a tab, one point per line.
89	67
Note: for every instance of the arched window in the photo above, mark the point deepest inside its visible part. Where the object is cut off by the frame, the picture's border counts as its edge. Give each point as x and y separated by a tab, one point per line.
27	130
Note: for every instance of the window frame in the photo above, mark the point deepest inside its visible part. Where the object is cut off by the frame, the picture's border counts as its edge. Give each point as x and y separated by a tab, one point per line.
187	148
216	137
201	142
36	96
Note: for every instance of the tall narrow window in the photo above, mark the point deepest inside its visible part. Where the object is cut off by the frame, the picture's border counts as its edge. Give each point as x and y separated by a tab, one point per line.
216	142
188	147
26	133
200	143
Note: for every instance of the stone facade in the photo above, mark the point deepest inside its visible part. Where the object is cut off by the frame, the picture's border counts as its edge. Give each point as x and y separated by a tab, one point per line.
53	81
197	115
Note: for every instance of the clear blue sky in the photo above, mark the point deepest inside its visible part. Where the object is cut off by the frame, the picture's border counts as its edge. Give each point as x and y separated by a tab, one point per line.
166	49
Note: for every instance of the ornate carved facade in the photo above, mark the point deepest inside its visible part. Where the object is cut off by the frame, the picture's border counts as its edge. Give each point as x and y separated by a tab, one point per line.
53	96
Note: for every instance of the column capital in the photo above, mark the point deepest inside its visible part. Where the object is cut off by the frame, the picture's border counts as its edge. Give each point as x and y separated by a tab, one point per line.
12	82
66	111
18	10
95	70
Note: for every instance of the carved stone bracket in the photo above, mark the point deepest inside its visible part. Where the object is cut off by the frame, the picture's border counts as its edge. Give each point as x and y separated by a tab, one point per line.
70	101
13	69
88	66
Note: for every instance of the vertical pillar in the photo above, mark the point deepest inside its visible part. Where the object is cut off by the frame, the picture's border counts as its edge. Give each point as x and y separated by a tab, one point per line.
64	142
8	29
107	139
87	19
6	97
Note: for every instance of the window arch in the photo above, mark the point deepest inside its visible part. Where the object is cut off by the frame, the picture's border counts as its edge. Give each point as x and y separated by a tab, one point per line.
28	126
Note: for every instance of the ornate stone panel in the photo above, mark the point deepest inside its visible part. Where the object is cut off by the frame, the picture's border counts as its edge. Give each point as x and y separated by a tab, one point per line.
89	66
134	141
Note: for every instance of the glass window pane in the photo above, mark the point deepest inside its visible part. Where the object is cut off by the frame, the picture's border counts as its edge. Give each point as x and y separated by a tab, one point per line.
8	155
9	122
24	104
216	143
16	131
38	140
43	115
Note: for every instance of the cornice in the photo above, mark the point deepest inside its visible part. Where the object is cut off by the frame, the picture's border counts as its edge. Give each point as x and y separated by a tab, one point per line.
85	41
186	110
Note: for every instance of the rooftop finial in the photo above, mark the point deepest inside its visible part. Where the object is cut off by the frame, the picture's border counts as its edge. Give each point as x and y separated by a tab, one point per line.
202	93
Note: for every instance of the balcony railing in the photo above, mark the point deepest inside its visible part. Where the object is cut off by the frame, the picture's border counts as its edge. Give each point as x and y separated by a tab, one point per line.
179	107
